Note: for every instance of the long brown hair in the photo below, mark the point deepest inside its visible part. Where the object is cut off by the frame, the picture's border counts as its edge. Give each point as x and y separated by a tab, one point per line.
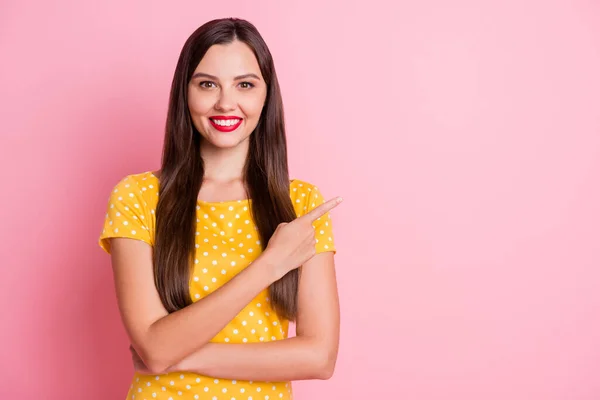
266	176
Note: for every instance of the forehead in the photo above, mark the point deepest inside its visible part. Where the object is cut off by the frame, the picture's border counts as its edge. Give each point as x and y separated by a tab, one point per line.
228	60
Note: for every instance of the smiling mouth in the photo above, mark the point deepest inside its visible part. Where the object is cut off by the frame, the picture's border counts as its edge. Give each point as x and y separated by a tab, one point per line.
225	125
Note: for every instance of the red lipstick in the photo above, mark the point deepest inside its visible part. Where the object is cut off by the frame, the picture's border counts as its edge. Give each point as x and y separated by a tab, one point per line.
225	128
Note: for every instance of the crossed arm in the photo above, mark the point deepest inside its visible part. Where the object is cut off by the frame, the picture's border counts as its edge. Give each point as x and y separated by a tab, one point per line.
311	354
180	341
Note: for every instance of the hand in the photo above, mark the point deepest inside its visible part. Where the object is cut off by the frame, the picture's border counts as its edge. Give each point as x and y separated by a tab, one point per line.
138	363
293	243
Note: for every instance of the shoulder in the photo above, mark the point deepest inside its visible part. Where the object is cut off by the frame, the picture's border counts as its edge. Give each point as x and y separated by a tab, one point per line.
305	195
302	189
302	186
144	184
130	210
139	190
138	180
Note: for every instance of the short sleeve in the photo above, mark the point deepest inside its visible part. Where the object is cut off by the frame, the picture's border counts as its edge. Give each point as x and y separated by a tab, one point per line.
126	215
323	225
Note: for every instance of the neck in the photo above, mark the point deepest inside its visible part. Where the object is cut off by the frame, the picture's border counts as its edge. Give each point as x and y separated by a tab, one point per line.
224	164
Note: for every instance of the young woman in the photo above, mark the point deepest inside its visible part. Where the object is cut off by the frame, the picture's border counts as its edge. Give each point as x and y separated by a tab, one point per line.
218	251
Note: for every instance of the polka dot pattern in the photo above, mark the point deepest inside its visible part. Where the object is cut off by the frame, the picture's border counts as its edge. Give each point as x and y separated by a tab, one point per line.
227	241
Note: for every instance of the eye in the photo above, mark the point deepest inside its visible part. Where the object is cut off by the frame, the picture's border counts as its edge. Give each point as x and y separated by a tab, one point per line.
202	84
250	85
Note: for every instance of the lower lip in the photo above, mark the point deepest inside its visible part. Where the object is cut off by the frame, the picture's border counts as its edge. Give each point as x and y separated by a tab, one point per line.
225	128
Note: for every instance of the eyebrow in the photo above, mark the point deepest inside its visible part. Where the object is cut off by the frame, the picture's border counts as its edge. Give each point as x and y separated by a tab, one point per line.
245	76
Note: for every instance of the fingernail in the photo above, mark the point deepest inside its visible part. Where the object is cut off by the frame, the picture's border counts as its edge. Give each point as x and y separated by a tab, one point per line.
340	199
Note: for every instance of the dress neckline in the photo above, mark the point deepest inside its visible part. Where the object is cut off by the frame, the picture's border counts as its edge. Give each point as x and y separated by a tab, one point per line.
213	203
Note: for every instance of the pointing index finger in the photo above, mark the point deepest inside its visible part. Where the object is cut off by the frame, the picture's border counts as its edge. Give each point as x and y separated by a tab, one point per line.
322	209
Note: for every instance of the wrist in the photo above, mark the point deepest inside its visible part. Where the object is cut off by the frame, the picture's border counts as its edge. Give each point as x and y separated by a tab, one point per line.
177	367
188	364
267	265
198	362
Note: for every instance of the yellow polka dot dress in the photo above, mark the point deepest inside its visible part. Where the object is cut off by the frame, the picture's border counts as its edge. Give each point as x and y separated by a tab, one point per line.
227	241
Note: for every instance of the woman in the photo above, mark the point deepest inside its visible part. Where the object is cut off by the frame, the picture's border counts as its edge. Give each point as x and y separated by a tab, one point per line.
218	251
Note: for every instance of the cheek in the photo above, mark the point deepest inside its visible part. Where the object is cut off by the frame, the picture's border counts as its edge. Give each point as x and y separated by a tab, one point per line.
199	103
253	106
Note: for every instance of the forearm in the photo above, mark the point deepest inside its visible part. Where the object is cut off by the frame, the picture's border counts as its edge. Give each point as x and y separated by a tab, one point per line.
296	358
179	334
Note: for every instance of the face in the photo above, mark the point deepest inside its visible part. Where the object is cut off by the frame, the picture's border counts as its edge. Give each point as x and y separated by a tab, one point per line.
226	94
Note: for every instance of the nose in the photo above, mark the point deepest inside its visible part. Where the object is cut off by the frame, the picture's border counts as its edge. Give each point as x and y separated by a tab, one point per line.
225	101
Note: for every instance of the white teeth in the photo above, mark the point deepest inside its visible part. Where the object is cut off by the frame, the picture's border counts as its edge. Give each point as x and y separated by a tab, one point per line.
225	122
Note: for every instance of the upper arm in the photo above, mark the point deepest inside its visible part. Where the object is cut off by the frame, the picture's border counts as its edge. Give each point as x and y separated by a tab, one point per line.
318	302
138	300
127	238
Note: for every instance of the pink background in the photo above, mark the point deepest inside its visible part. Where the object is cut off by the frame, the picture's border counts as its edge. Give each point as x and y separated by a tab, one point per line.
464	137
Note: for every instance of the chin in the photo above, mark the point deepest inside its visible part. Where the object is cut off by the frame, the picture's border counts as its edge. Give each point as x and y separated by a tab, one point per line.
226	143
